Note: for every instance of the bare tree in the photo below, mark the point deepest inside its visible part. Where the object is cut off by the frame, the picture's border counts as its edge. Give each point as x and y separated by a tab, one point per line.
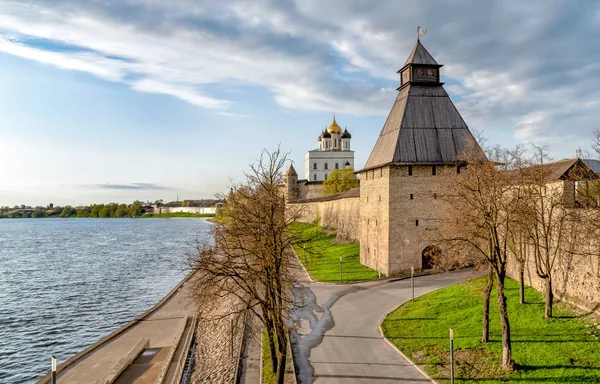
519	247
483	213
544	217
250	259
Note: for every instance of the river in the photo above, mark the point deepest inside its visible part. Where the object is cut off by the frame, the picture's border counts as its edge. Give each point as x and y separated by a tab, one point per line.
65	283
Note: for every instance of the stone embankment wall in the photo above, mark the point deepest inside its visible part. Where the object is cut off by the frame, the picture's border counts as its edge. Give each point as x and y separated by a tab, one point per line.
218	343
338	211
576	279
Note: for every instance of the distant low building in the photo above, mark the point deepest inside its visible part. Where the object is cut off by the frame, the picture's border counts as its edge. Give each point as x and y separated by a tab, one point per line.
198	210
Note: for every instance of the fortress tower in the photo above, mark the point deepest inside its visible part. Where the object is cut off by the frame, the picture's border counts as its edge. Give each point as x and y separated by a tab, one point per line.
418	149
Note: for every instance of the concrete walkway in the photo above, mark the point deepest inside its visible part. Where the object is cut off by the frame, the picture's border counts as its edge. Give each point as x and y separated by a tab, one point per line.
162	327
338	340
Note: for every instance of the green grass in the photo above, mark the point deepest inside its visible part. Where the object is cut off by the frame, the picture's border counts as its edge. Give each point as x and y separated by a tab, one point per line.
324	265
268	375
565	349
176	214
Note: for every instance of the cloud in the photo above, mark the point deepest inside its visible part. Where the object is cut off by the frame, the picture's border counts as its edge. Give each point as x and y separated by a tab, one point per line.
133	186
505	61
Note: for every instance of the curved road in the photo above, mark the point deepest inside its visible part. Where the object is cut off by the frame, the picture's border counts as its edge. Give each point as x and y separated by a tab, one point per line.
338	340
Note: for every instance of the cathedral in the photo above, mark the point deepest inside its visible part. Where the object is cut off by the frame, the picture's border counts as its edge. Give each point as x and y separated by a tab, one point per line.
397	208
333	153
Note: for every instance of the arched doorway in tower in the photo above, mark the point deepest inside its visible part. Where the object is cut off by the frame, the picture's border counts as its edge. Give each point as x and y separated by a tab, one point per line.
430	254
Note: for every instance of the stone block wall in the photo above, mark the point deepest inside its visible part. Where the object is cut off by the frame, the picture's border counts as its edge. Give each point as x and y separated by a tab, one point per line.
418	207
374	218
401	213
576	279
340	212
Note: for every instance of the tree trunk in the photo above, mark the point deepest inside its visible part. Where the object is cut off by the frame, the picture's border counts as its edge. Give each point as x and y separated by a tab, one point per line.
282	353
522	286
485	332
507	362
271	338
549	297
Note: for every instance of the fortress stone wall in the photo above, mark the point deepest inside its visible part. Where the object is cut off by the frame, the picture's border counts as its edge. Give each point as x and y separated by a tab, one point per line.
338	211
576	279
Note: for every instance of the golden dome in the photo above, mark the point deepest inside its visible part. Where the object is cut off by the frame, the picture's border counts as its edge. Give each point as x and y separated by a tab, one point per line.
334	127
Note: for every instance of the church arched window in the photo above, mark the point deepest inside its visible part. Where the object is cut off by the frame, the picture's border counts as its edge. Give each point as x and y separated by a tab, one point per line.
315	166
325	176
337	166
326	166
315	177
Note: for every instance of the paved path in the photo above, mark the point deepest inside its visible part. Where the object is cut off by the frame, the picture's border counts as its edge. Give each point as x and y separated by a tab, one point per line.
159	326
339	340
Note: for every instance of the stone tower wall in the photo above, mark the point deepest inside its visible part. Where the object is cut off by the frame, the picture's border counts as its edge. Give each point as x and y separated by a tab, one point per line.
427	206
292	188
389	215
374	218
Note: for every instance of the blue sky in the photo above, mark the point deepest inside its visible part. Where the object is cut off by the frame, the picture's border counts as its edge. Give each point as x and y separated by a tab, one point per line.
143	99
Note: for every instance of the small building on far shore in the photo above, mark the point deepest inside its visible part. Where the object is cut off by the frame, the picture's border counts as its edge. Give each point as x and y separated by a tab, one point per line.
198	210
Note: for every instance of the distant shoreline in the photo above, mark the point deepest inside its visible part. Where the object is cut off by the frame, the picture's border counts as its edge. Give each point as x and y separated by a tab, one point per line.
176	215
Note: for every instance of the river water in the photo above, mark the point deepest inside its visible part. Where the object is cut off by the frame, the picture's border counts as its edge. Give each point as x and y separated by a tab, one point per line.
65	283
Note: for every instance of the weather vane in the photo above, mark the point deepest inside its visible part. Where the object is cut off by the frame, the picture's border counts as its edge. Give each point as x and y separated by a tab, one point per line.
420	32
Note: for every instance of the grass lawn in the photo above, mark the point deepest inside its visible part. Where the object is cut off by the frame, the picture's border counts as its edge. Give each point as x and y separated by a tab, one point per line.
175	214
268	376
324	265
267	368
565	349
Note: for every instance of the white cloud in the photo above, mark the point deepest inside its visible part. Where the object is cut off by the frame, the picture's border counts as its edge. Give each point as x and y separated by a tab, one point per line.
519	61
182	92
86	62
530	126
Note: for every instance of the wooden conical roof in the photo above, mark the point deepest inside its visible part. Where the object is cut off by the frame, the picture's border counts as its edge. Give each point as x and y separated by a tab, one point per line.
291	171
423	126
420	55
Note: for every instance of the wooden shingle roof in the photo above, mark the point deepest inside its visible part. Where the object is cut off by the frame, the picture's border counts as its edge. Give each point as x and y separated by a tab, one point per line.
423	126
420	55
566	169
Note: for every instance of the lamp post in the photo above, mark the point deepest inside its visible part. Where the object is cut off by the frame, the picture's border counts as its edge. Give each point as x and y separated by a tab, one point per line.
451	356
53	369
412	281
340	269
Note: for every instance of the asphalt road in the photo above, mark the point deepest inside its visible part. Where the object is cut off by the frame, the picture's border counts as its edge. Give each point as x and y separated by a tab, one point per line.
338	340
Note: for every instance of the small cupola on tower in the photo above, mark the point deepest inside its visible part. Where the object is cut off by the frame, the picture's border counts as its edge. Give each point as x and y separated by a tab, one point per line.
325	140
420	68
346	136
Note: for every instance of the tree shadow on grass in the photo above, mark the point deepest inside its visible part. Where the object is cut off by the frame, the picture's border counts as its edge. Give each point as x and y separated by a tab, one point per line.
525	367
561	379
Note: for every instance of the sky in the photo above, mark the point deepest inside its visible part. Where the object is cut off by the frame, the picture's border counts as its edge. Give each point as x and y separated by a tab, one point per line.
112	101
